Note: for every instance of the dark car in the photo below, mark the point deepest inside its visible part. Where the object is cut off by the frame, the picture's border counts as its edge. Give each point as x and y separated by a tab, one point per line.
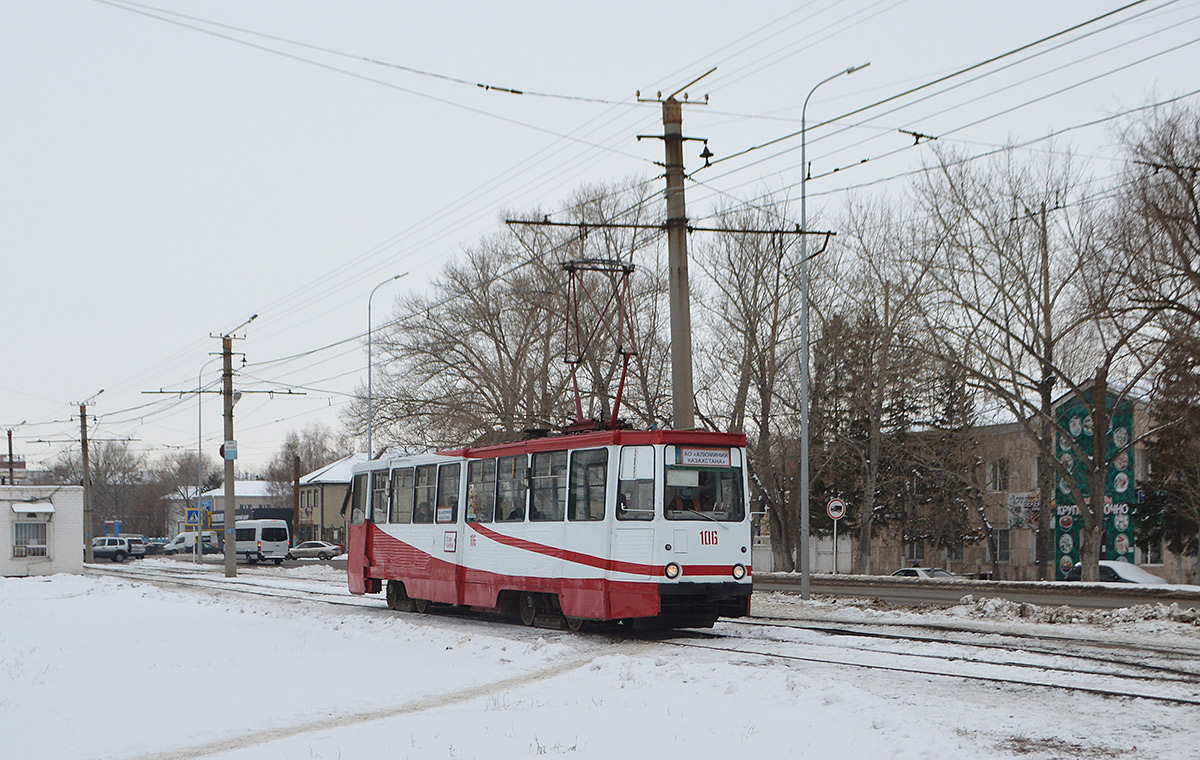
155	545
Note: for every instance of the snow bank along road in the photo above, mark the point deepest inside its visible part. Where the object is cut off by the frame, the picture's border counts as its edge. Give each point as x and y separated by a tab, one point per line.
285	663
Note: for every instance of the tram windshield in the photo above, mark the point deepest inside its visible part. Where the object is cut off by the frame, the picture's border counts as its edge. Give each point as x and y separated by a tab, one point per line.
693	491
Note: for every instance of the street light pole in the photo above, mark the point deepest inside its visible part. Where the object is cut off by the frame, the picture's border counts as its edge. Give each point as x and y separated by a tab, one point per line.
370	366
804	368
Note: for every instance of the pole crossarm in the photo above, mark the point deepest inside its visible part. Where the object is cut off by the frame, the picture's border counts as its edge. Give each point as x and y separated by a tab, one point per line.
614	225
285	392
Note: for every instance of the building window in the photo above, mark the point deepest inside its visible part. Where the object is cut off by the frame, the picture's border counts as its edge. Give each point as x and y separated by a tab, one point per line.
954	553
914	552
997	475
1150	552
29	539
1002	548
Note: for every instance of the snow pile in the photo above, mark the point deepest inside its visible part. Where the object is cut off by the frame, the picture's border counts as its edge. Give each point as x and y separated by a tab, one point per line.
1001	609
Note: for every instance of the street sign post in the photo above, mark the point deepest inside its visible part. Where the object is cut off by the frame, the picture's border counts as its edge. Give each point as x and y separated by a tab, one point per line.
193	517
836	509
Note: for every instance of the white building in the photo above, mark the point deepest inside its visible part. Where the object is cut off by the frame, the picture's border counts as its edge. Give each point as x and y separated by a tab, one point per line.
252	499
41	530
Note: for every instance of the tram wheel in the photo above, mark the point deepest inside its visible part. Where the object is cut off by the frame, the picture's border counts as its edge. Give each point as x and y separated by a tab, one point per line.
421	605
527	607
575	625
393	595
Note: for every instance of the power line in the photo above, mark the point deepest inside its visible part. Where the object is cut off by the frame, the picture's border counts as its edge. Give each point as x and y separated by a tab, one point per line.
375	61
941	79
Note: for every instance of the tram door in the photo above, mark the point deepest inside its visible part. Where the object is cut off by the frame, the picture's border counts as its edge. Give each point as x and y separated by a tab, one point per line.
633	535
587	534
445	549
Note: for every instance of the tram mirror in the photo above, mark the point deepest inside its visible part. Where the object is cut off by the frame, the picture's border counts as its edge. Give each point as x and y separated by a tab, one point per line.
637	463
683	478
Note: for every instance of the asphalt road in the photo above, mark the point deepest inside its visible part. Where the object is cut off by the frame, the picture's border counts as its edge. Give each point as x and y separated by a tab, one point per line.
904	591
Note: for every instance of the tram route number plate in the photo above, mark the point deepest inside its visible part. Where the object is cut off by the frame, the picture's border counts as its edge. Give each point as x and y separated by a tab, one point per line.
450	541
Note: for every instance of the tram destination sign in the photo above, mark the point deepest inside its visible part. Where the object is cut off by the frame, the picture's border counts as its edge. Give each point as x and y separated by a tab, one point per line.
694	456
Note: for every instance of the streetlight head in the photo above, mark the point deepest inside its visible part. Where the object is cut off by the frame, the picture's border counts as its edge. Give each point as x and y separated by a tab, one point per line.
853	69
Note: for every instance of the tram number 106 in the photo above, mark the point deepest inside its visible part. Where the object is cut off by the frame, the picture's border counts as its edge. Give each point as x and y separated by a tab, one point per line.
708	538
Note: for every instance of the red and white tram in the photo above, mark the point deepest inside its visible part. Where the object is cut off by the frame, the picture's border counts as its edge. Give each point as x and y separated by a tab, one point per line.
649	527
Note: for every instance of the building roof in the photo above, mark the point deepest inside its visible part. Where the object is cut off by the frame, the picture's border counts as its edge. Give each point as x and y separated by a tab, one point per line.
243	488
338	472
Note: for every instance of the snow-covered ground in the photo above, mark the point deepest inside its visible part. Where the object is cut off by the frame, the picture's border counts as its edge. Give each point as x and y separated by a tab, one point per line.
109	667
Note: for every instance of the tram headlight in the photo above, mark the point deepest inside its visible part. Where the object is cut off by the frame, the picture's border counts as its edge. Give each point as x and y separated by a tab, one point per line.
672	571
739	572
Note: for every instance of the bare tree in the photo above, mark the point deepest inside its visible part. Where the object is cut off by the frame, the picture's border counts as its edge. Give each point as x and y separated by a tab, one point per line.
753	323
884	282
1030	309
313	447
481	358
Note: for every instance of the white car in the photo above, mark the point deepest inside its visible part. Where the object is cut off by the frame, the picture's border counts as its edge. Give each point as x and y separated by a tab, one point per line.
318	549
928	573
1118	572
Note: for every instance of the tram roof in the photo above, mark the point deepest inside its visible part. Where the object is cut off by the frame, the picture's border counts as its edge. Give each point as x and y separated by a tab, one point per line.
600	438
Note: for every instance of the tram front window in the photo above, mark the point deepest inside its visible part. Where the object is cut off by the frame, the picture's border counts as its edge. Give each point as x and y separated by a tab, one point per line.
698	493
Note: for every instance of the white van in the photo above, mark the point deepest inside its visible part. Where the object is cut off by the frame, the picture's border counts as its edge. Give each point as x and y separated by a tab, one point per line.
262	540
185	543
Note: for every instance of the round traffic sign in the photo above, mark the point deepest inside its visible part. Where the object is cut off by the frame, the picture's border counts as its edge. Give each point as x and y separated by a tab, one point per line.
836	508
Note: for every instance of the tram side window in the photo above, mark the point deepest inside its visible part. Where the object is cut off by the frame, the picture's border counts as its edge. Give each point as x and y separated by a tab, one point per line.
402	496
549	486
359	499
379	496
447	492
481	490
635	484
510	488
424	493
589	478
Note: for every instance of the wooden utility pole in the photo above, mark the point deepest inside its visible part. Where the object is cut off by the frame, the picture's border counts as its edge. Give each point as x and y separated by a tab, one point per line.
87	487
88	556
295	497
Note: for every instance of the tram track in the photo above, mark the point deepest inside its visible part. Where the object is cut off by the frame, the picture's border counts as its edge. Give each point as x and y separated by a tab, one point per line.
1107	657
1110	684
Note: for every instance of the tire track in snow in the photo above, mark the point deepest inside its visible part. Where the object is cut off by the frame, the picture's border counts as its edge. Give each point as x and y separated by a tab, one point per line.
218	746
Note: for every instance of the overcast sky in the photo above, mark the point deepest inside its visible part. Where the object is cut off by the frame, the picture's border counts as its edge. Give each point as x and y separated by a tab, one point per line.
168	169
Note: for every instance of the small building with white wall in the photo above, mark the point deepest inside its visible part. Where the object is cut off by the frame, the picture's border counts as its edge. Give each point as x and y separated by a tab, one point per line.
41	530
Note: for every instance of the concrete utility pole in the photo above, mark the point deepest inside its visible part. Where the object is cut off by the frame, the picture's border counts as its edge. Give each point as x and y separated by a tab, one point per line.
682	393
11	478
229	508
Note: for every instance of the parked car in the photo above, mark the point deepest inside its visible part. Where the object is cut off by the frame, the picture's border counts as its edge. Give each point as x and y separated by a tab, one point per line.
137	545
184	543
1117	572
262	540
928	573
109	547
155	545
318	549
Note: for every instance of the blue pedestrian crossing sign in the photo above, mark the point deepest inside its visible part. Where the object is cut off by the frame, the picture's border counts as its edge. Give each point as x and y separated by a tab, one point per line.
193	517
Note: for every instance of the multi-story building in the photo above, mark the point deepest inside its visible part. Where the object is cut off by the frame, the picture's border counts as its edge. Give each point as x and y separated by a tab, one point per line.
322	492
